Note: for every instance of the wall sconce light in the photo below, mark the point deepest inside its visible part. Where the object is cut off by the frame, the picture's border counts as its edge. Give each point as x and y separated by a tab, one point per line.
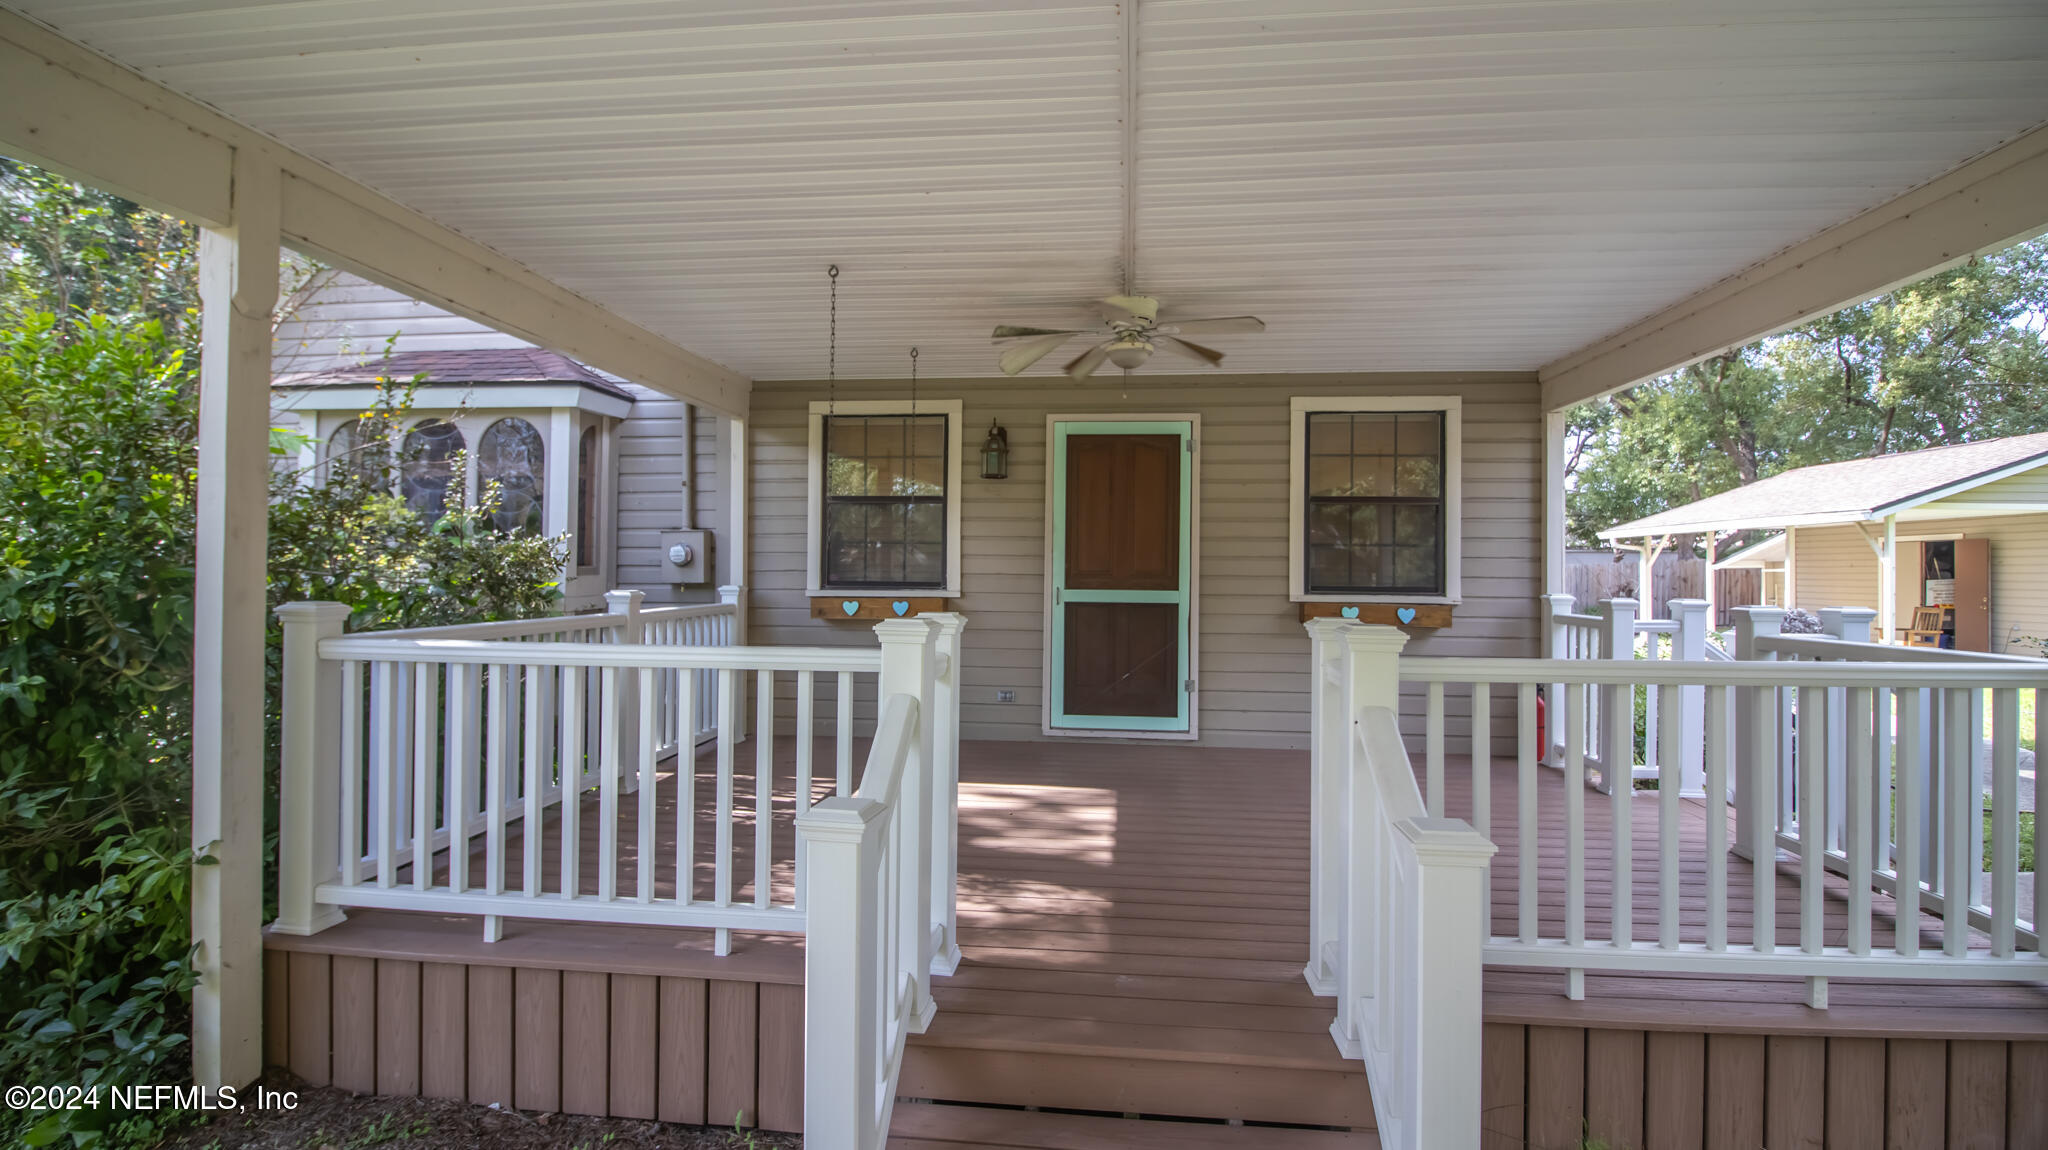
995	453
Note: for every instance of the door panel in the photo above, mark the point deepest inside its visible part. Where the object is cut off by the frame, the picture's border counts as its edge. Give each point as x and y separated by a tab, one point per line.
1973	594
1121	653
1123	512
1123	659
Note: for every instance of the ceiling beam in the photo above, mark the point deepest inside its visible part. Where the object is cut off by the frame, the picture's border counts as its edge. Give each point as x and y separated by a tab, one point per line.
1989	203
69	109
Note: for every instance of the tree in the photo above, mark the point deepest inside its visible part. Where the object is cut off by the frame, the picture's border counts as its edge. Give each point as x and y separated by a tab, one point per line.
1956	357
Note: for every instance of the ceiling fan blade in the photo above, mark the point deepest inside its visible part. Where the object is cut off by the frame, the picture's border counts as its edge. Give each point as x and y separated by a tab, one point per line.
1011	331
1135	306
1208	355
1220	325
1018	356
1085	364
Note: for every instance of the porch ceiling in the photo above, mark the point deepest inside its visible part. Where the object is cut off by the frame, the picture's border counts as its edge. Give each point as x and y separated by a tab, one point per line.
1393	187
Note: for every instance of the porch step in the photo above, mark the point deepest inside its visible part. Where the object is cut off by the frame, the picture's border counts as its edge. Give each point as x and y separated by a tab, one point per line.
939	1127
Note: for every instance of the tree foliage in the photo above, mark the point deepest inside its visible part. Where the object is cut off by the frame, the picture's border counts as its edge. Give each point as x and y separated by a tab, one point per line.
1956	357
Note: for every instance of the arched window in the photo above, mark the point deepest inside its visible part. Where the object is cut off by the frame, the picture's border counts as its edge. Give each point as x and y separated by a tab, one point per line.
429	467
355	452
512	455
586	498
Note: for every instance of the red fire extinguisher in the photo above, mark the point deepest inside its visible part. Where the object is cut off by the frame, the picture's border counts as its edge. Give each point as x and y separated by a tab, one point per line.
1542	726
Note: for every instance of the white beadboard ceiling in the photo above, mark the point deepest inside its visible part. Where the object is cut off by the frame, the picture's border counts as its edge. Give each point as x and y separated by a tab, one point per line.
1430	185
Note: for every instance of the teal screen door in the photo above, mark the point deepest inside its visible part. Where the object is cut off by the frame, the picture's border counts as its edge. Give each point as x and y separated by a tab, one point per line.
1122	541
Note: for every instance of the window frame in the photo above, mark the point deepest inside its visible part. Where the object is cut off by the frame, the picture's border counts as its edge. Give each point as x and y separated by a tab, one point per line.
814	519
1451	407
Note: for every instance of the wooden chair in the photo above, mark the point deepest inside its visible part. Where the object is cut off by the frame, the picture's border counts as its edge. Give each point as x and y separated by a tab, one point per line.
1926	630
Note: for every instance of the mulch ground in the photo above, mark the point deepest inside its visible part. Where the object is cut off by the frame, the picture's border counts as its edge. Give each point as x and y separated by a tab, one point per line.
330	1119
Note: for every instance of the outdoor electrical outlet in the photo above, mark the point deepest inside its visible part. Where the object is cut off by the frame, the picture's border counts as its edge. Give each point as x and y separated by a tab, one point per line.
1006	696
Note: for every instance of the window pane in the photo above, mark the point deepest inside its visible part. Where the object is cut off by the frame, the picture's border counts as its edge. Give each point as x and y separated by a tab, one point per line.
885	487
1421	434
1329	433
1417	478
1415	567
1329	475
586	498
511	455
428	467
357	452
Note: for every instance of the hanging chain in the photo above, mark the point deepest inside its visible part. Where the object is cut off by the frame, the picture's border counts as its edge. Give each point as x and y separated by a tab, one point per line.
832	348
913	383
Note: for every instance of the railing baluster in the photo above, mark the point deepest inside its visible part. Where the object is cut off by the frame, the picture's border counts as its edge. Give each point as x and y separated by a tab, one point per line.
643	844
1960	789
1857	783
764	784
532	839
686	788
1762	767
569	768
351	773
384	700
457	793
1911	760
609	732
1433	750
1482	793
1525	809
843	731
721	849
1670	763
1716	803
1813	816
1618	769
806	688
425	724
1575	820
494	781
2005	820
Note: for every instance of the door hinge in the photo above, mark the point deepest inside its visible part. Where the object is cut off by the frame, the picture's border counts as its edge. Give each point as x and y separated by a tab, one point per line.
1188	685
1191	446
1058	593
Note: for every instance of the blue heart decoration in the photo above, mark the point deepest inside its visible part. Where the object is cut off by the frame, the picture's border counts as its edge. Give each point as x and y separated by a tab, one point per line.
849	606
1405	614
901	607
1349	612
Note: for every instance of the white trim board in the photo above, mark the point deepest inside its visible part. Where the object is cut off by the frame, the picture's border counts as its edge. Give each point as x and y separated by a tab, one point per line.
814	502
1453	409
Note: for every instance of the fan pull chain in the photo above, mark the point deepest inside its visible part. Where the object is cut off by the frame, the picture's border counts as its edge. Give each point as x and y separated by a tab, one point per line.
913	383
832	348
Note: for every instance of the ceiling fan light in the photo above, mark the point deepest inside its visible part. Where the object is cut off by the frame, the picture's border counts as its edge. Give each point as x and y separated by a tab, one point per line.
1130	353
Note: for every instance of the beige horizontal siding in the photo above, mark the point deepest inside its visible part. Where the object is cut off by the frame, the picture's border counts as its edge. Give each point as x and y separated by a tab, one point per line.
1252	681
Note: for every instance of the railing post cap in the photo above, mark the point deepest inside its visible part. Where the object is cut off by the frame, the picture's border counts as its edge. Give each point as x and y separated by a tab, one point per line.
1687	604
1618	602
620	601
313	611
945	622
839	819
1325	627
1447	842
1771	616
916	630
1375	638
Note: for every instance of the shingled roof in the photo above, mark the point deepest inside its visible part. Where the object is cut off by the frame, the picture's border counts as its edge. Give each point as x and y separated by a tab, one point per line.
492	365
1853	491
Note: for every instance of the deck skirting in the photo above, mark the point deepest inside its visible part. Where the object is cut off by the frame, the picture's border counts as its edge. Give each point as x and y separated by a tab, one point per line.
540	1035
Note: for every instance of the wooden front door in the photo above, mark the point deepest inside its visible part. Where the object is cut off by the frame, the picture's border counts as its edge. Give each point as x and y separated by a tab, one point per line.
1122	576
1973	594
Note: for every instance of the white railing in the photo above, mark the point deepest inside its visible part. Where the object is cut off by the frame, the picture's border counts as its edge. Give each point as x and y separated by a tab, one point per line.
1841	707
1396	899
426	772
1616	633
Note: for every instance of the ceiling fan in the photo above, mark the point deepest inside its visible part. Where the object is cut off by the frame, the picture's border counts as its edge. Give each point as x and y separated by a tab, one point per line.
1135	332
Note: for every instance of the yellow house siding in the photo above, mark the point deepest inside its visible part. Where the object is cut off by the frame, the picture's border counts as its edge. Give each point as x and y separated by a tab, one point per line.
1836	568
1252	681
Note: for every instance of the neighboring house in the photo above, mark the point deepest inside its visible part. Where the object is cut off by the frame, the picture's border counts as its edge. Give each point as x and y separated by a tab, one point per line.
1962	527
623	470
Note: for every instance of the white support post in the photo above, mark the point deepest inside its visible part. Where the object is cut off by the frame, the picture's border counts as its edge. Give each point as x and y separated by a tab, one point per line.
308	832
1328	730
1371	678
1446	955
945	776
1713	592
1554	424
909	649
1888	581
1689	644
627	731
1756	722
842	977
1617	641
238	292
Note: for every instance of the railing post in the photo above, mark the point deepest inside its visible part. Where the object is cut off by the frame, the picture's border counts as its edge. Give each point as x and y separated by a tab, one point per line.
1756	741
908	666
945	838
842	978
1371	678
1689	644
1447	953
1328	726
308	826
1558	646
733	595
1617	641
631	631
